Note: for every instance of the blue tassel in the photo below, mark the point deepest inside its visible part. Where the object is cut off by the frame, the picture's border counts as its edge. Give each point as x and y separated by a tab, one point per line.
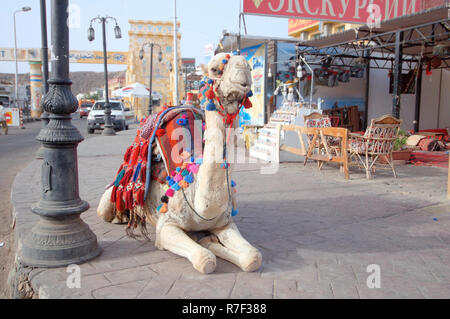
250	93
233	183
136	172
224	61
189	178
175	187
211	106
234	212
159	207
119	178
210	81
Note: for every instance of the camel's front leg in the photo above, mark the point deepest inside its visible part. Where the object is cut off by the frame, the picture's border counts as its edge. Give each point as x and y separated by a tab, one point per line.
177	241
234	248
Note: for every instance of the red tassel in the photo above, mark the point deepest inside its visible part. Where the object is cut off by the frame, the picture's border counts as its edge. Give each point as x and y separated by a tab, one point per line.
247	103
126	178
144	151
120	206
139	196
160	132
143	173
210	94
129	199
113	194
135	154
127	155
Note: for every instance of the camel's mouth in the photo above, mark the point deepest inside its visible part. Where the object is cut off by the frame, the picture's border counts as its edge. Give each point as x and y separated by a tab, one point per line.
234	96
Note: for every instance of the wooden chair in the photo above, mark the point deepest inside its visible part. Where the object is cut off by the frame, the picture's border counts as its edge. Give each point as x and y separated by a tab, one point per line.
329	146
378	140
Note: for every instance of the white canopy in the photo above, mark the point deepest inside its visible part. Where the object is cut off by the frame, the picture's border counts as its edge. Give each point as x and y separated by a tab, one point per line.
135	90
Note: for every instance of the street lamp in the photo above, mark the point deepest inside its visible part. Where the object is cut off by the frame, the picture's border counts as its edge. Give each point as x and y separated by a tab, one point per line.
24	9
108	129
141	56
60	238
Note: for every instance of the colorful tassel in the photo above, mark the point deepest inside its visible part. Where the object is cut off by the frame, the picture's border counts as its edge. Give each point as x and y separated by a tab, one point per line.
234	212
233	183
170	192
189	178
136	172
113	194
247	103
126	177
250	93
135	154
184	172
210	94
183	184
165	199
126	157
119	178
163	208
120	205
211	106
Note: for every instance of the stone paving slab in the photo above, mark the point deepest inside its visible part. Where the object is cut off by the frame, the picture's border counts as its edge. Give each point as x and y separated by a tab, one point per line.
317	233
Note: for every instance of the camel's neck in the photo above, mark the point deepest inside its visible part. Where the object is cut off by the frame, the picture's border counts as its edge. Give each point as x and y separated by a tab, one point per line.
214	141
212	194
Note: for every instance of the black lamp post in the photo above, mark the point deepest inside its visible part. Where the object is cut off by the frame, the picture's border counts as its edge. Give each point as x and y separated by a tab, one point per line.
108	129
141	56
44	58
185	80
60	238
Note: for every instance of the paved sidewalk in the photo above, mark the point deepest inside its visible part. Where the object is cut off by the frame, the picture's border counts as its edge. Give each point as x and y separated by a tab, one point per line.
317	233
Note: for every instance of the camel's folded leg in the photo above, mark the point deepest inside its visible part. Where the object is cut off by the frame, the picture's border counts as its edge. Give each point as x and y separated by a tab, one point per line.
177	241
106	210
234	248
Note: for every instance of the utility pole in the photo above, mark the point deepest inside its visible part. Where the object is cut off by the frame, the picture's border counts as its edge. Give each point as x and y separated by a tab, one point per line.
175	51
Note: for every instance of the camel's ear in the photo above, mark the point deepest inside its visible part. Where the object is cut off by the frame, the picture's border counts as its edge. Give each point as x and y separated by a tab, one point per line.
204	68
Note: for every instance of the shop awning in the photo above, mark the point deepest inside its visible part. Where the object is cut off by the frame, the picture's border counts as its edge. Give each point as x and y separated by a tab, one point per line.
418	29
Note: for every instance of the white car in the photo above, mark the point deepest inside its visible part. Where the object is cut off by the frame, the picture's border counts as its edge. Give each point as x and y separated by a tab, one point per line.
121	116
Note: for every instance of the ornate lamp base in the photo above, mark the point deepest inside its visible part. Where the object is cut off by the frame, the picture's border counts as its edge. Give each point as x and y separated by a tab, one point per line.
108	131
58	242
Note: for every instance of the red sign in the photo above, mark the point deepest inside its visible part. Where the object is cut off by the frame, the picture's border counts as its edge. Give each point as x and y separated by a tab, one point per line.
8	118
351	11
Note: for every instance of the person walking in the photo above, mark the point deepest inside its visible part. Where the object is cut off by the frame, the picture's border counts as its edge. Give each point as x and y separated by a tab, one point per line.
3	119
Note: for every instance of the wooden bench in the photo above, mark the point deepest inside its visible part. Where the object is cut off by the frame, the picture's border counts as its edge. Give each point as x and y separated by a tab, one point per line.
317	145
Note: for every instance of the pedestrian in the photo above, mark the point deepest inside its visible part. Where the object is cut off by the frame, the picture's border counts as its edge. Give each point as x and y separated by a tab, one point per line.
3	119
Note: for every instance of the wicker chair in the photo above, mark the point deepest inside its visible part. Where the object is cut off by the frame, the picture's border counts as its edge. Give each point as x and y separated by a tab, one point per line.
377	141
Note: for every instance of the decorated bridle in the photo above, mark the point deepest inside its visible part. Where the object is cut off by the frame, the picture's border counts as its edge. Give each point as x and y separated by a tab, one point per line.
209	91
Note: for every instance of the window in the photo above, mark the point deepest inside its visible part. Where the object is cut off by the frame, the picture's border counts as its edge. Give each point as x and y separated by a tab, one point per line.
101	106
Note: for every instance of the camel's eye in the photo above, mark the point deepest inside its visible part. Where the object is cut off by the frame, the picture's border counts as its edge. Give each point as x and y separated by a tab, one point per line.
214	70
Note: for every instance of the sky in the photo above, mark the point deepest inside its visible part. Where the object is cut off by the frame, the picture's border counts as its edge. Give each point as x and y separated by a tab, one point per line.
202	23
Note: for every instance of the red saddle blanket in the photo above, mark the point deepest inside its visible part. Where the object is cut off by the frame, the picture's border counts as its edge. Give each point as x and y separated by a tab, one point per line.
177	133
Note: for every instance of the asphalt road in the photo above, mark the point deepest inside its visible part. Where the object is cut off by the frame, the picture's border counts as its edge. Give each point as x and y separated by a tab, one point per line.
17	150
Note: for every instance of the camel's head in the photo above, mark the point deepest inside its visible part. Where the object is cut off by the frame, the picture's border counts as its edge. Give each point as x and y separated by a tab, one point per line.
232	80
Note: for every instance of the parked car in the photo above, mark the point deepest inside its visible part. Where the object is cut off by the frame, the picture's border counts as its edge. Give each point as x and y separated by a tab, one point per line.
84	107
121	116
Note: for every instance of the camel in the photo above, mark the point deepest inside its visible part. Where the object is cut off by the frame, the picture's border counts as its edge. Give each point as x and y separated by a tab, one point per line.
208	204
